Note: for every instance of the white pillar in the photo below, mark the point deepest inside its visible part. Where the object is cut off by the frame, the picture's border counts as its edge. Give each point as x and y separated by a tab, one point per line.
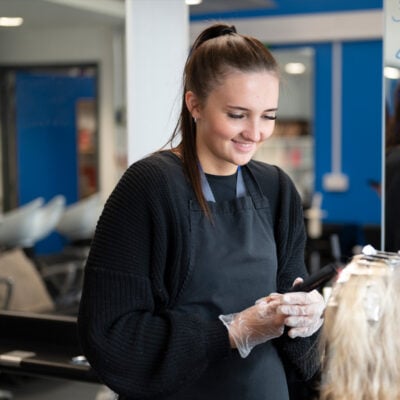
157	39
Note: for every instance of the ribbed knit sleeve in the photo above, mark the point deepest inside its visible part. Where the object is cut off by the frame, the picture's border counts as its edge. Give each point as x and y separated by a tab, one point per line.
300	353
131	335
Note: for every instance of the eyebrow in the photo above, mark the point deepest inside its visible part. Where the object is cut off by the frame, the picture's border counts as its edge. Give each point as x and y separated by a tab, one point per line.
246	109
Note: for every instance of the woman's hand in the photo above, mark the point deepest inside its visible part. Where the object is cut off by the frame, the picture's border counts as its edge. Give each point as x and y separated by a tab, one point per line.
255	325
303	312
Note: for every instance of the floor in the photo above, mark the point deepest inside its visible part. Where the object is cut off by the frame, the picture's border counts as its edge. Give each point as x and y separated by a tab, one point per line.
23	388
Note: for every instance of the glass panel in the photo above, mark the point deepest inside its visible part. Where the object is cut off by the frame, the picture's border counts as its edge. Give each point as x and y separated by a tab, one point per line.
392	125
291	146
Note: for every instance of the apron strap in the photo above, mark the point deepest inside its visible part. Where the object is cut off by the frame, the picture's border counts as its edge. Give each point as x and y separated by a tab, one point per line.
205	186
240	186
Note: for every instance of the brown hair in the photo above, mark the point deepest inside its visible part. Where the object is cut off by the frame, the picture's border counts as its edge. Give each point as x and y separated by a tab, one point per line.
216	52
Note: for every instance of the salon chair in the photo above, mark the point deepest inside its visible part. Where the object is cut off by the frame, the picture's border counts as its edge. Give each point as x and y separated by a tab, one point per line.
25	226
45	220
15	225
20	230
76	225
79	219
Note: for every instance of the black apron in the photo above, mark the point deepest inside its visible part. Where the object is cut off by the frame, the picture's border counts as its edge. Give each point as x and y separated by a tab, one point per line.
233	262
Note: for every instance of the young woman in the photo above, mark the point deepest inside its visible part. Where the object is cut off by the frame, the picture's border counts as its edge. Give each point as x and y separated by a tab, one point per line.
180	295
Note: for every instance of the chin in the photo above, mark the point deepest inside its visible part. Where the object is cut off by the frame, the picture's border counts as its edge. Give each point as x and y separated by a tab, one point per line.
241	160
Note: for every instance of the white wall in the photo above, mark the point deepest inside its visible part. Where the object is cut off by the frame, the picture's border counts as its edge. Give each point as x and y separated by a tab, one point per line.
305	28
157	46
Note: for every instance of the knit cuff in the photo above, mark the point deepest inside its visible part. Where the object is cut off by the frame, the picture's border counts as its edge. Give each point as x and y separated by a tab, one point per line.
217	339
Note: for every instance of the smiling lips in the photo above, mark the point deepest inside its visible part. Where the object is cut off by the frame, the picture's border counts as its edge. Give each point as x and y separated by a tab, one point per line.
244	146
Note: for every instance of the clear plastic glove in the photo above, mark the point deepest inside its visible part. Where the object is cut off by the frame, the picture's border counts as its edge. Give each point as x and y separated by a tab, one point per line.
255	325
303	312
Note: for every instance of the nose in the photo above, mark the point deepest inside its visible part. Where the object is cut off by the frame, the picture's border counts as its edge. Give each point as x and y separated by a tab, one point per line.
252	131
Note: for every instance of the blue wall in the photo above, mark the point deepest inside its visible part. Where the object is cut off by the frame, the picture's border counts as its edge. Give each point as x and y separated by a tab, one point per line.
361	130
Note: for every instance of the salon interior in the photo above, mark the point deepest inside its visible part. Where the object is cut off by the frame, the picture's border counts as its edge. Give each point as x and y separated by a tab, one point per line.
83	83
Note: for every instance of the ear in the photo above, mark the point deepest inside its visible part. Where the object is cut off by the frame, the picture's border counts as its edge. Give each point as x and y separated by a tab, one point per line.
193	104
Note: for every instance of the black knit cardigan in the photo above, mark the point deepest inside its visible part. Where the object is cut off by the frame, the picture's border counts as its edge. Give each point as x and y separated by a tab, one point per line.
137	267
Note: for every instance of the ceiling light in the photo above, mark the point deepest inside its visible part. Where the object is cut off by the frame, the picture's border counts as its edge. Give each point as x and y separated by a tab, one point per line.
391	73
295	68
193	2
11	21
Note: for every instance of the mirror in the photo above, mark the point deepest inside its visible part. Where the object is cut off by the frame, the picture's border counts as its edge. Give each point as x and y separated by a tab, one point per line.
62	94
392	125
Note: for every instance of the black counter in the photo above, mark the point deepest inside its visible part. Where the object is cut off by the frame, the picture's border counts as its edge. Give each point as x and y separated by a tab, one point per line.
42	345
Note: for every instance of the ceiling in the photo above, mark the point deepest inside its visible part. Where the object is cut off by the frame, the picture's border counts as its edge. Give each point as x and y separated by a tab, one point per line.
110	12
59	13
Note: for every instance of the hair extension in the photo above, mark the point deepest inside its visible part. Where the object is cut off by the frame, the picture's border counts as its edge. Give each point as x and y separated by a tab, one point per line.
361	351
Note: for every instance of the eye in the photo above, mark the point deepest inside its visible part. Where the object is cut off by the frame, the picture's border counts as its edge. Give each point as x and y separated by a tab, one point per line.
270	116
235	116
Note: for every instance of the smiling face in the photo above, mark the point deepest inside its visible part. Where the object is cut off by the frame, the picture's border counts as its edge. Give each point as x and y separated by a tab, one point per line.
236	118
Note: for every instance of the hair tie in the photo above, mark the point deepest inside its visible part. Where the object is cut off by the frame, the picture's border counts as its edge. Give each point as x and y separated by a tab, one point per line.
212	33
229	30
